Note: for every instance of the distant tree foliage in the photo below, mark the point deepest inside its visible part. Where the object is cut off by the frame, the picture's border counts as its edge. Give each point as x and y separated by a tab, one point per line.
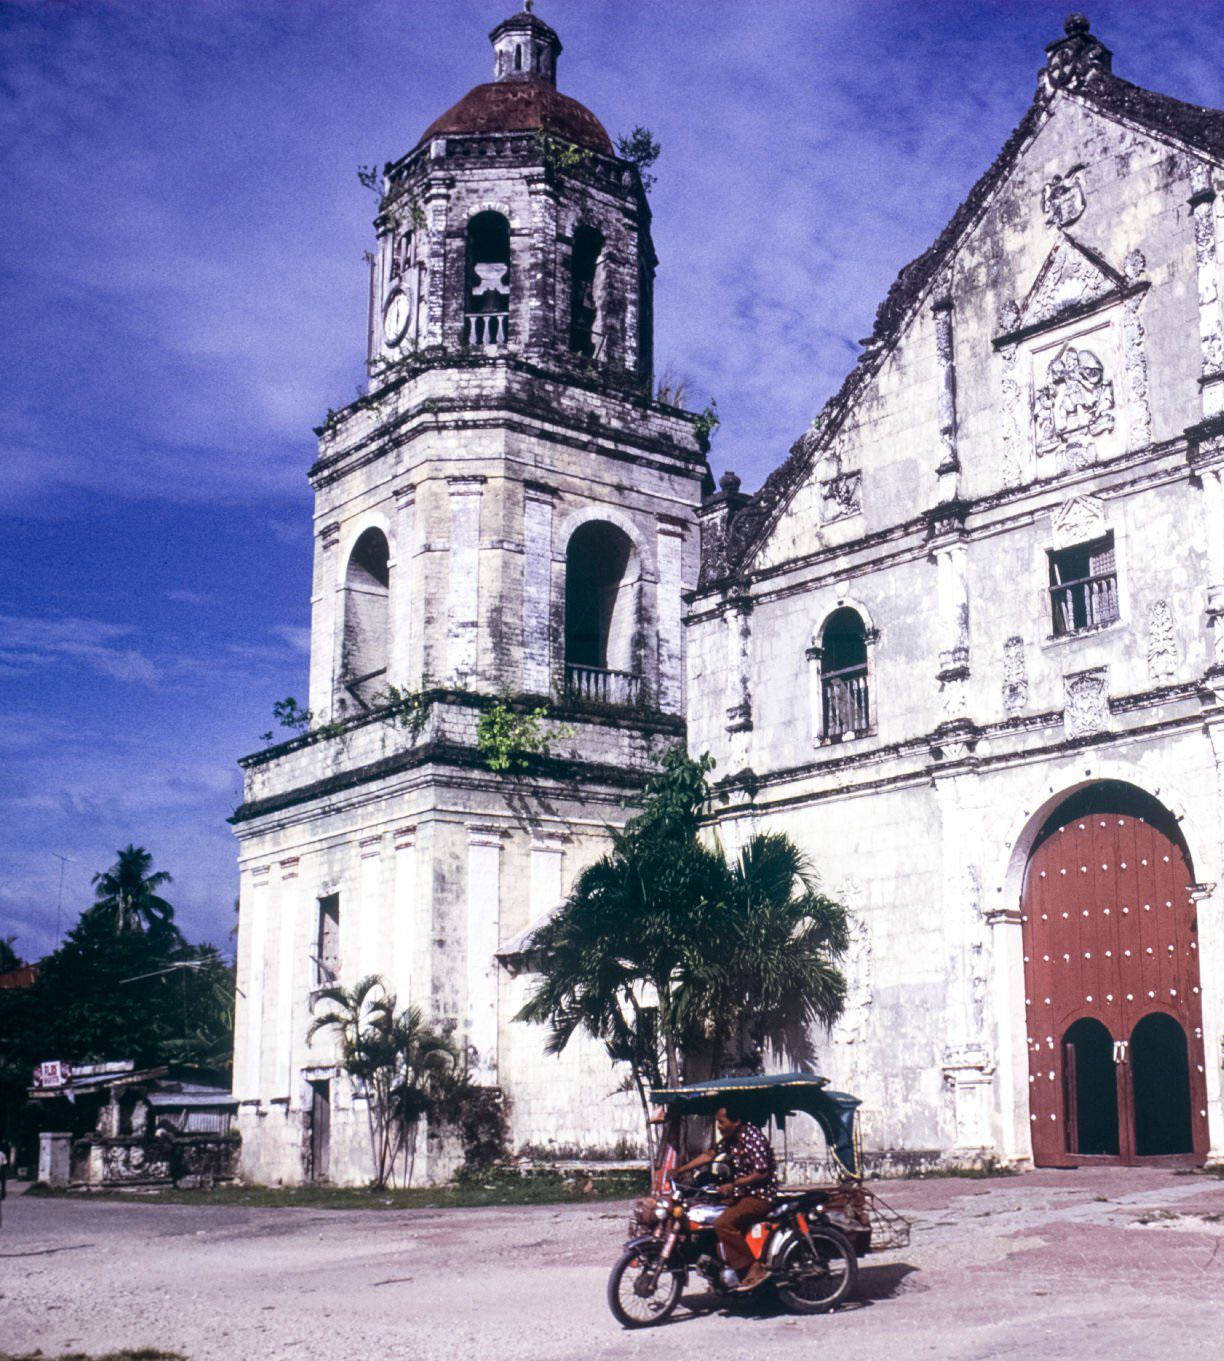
124	984
128	894
9	958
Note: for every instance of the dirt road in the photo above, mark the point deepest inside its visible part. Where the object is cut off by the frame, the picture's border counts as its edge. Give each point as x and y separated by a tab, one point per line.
1103	1265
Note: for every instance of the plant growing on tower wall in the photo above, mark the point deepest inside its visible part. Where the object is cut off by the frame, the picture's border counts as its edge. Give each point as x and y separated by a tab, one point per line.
640	147
506	738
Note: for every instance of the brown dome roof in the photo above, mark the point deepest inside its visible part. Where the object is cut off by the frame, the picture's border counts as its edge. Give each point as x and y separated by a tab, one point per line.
522	106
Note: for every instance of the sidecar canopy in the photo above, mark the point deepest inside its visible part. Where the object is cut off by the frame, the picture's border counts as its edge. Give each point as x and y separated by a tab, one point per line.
776	1095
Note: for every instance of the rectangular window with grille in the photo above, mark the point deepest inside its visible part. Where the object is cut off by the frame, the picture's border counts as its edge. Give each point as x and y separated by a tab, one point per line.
327	942
1084	587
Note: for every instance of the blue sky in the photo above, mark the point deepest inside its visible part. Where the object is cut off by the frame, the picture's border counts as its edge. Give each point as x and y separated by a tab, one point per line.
181	233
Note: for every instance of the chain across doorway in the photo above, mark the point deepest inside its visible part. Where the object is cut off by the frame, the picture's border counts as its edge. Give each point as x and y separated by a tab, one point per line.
1112	1001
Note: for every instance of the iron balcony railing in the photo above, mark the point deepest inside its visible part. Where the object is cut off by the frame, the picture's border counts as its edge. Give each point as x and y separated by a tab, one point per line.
846	706
598	685
486	328
1089	603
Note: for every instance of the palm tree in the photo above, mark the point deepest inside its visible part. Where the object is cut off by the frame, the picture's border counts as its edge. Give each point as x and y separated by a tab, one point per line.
128	891
770	975
672	957
404	1067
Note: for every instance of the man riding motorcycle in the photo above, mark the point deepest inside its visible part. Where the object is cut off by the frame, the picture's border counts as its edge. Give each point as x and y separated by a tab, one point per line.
753	1184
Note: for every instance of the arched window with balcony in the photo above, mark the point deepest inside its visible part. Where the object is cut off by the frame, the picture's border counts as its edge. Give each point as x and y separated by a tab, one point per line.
587	258
367	618
602	652
845	700
486	319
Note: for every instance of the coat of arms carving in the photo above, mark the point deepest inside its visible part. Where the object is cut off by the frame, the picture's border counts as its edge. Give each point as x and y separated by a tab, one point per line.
1074	406
1062	198
1086	703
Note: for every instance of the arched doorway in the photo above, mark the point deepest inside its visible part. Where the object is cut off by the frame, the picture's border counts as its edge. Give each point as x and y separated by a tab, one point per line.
1116	1067
1090	1088
1160	1087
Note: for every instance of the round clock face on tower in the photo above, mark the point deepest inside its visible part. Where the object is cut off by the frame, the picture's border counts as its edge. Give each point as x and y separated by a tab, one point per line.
396	316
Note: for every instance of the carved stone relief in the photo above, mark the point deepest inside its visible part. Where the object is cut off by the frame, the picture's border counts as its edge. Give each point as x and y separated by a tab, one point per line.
840	492
1015	676
1069	278
1062	198
1086	706
1074	406
1013	422
1135	354
1079	520
852	1026
1161	644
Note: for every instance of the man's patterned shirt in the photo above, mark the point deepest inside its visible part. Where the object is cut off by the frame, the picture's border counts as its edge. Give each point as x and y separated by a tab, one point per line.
750	1152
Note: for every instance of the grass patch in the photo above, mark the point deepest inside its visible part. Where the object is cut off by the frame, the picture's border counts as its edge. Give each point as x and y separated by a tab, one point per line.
494	1188
127	1354
962	1173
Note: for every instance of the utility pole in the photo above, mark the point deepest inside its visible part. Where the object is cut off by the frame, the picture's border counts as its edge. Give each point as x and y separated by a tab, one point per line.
59	901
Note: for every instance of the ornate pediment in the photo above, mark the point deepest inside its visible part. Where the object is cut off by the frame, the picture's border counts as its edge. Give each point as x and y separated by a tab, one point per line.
1079	520
1072	280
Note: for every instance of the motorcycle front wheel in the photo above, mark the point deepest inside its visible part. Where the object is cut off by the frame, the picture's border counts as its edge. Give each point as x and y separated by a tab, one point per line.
635	1300
814	1278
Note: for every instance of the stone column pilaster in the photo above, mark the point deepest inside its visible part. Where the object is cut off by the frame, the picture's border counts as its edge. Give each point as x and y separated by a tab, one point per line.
483	938
325	621
670	552
463	579
948	471
404	916
405	592
537	588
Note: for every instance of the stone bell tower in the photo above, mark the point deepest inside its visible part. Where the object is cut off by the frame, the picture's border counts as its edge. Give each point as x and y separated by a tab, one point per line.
506	516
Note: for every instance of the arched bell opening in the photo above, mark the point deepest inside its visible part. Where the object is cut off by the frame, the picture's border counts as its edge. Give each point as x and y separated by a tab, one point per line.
585	335
1090	1089
487	287
602	577
366	643
1160	1078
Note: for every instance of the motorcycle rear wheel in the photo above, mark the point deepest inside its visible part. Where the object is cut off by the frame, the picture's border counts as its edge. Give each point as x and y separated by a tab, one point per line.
632	1304
813	1285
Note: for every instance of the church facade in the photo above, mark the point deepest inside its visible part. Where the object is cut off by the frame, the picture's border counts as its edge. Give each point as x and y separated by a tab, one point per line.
966	644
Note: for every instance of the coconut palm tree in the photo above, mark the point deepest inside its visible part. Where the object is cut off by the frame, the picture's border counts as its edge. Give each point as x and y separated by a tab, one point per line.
674	958
129	892
769	974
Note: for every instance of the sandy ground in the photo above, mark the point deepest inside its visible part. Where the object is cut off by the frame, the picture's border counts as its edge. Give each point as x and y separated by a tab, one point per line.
1098	1265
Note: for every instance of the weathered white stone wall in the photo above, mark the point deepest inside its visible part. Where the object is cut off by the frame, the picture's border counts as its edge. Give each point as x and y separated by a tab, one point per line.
981	718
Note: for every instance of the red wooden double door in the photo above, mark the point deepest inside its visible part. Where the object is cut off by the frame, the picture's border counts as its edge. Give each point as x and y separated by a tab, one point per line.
1116	1068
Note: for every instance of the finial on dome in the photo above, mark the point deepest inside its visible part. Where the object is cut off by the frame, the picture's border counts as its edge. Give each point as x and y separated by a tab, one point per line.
525	48
1077	60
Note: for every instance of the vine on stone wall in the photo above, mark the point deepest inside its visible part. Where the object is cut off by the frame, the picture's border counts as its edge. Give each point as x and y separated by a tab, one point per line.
506	739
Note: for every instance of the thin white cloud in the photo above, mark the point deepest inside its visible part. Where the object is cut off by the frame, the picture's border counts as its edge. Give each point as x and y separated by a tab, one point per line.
30	643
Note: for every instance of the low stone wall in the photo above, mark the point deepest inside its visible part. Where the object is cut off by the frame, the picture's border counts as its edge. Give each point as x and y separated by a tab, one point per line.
181	1160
